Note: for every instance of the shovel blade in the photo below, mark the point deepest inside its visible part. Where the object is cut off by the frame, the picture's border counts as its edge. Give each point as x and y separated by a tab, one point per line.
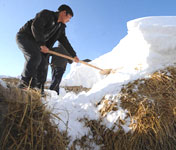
105	71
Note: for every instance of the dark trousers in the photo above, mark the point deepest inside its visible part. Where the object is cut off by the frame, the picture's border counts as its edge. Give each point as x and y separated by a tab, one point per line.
57	73
36	64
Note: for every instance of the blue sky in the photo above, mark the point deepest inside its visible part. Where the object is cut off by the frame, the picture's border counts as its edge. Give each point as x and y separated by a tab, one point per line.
96	28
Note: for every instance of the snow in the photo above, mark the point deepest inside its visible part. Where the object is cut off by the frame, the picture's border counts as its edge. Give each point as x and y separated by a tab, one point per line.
3	83
149	45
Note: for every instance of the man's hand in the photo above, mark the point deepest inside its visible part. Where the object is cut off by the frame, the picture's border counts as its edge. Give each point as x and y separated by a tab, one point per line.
76	59
44	49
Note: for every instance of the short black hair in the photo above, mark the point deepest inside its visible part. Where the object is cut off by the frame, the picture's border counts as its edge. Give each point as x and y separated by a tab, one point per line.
66	8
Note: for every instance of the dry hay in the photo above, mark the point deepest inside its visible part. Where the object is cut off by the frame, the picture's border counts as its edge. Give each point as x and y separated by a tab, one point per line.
75	89
11	81
151	105
108	105
26	124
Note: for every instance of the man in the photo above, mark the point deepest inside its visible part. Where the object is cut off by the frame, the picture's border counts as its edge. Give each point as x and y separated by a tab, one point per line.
36	37
58	66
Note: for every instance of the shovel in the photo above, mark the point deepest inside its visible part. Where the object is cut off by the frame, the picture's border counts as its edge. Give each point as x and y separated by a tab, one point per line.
102	71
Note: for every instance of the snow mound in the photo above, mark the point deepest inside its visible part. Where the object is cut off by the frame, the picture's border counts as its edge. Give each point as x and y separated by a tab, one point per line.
149	44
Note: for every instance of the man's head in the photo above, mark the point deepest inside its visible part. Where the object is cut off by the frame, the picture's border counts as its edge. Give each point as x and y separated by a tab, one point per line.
66	8
65	13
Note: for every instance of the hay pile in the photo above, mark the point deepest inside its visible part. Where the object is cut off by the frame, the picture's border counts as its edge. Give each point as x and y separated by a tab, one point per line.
75	89
26	124
151	105
11	81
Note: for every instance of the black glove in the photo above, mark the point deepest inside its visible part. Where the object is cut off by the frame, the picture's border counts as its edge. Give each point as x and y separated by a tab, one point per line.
87	60
69	61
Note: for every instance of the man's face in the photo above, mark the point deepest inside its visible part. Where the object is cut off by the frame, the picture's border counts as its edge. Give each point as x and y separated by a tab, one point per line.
64	18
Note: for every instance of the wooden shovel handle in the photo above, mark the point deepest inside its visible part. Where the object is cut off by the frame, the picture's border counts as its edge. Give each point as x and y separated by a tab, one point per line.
68	57
83	62
61	55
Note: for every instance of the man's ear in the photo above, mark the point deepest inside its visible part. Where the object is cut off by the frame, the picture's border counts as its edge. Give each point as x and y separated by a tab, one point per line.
64	12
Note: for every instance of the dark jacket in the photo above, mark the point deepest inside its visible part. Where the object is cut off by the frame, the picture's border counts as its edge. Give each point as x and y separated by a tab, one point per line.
45	29
57	61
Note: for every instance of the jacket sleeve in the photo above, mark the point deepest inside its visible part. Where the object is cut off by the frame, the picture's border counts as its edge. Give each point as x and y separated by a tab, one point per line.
37	26
64	41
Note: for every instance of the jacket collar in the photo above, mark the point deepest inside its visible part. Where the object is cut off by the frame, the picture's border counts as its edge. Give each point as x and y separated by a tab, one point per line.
56	14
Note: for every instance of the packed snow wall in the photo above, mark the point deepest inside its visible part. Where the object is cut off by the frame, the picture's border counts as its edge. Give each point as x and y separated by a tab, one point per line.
149	44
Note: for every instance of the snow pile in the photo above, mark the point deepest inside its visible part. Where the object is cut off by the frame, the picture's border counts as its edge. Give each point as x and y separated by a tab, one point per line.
3	83
149	44
159	33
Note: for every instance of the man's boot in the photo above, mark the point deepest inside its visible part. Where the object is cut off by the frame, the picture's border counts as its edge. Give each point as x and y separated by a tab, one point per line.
24	82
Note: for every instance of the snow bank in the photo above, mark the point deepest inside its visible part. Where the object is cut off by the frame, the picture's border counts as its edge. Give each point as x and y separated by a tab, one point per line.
159	33
149	44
